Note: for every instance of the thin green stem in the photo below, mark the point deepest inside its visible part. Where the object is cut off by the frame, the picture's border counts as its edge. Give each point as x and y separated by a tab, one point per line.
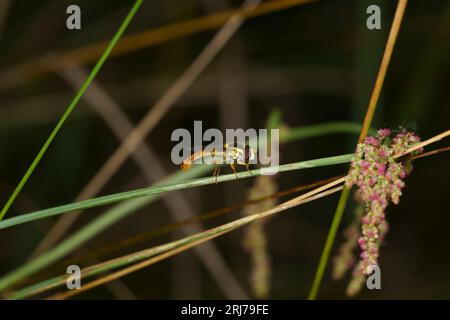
71	106
329	243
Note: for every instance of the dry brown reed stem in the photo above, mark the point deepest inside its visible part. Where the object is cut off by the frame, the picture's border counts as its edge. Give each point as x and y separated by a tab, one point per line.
137	41
430	153
393	34
425	143
216	232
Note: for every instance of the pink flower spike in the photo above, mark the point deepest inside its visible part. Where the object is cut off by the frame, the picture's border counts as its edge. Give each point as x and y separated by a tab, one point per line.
379	179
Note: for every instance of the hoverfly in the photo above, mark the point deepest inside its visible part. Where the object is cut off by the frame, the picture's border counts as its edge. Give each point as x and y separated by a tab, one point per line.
230	154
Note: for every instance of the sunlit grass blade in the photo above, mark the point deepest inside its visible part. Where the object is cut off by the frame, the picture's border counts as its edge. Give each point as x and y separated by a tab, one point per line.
183	243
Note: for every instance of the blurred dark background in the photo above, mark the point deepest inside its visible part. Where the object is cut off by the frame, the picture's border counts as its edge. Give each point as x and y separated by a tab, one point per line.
317	63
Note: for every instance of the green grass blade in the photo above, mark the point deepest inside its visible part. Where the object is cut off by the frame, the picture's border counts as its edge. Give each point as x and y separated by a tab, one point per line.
162	188
71	106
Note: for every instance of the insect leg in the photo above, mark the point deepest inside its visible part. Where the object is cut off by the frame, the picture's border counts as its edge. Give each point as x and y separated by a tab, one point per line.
216	173
233	166
213	155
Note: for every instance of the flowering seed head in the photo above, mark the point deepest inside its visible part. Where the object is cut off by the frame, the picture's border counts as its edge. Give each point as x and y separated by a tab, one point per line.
379	179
